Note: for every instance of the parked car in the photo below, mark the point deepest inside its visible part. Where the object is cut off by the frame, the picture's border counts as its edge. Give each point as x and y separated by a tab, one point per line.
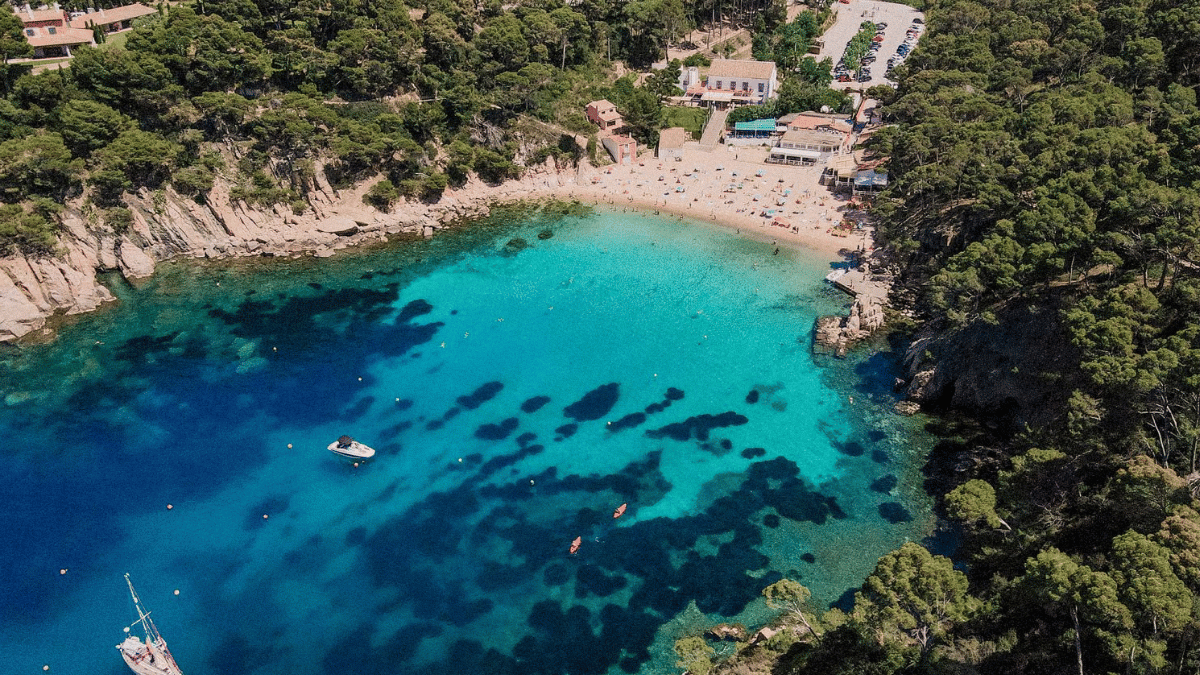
843	78
918	20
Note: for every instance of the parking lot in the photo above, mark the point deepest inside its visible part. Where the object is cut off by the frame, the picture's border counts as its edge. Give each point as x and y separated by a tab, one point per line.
849	16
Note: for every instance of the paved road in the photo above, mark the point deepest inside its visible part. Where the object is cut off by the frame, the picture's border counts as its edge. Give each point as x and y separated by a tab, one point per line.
898	18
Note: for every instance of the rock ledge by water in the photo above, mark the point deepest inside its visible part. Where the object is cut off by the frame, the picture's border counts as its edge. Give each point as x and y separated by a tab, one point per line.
837	334
167	225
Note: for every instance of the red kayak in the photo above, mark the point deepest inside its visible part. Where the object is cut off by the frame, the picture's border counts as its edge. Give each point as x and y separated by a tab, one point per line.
620	511
575	545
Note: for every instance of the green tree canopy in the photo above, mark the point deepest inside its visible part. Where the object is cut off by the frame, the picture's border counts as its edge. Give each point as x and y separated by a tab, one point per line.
973	502
38	165
913	597
87	125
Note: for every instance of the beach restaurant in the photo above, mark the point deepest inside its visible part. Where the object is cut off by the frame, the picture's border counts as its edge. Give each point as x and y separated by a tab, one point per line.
805	147
867	183
755	132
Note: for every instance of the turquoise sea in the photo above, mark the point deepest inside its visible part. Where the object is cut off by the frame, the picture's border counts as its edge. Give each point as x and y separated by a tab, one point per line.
520	378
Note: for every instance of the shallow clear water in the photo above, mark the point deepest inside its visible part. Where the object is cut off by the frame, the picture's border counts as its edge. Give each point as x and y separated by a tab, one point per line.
516	396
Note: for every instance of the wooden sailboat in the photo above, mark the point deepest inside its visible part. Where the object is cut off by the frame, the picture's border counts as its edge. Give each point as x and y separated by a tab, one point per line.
150	657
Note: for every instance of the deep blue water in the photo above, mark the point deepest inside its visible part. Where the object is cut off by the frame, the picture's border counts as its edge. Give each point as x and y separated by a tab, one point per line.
517	392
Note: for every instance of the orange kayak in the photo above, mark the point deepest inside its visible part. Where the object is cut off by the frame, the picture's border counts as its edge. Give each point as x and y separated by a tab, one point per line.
575	545
620	511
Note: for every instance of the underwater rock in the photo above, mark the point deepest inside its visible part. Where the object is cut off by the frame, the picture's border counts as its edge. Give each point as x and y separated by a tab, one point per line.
734	632
594	404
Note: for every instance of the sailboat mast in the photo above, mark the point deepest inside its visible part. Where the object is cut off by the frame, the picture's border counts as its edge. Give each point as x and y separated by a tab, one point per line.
143	616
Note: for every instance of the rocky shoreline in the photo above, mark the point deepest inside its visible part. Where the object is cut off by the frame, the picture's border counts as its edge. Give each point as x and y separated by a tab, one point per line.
166	225
835	335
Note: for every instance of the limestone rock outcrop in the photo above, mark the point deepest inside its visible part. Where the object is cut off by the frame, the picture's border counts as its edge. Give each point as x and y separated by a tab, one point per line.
836	334
167	225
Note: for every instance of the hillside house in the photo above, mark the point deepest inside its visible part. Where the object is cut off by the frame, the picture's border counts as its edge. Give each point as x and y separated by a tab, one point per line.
603	114
113	20
49	32
733	82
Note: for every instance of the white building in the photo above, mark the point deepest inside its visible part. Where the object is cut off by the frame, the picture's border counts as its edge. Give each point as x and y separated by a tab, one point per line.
732	81
689	76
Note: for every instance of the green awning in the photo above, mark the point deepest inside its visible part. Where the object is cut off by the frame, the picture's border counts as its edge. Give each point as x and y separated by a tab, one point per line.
756	125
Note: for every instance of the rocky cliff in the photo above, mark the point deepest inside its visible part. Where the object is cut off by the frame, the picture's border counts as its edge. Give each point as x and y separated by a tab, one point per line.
1014	373
168	225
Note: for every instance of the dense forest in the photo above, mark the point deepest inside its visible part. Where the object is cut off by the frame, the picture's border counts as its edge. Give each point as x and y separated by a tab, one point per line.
1045	181
267	93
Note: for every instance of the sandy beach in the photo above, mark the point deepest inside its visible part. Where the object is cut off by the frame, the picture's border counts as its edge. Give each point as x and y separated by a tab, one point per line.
731	187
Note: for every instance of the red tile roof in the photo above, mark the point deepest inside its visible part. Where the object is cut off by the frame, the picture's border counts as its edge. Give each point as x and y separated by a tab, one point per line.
29	16
114	15
726	68
61	36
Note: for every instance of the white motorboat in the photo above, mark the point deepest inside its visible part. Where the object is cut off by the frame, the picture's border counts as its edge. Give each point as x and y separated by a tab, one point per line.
351	449
149	657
